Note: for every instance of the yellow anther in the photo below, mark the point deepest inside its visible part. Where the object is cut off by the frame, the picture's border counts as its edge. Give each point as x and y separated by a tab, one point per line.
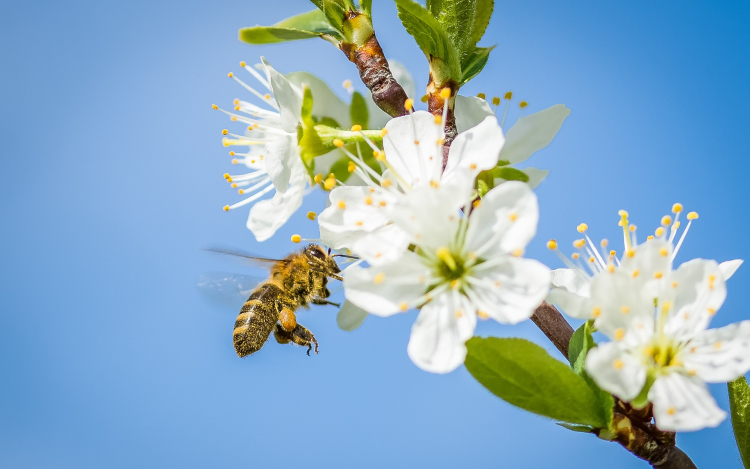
518	252
224	132
611	268
582	228
718	345
318	178
226	208
666	306
676	208
495	101
231	153
445	93
296	238
368	200
356	128
671	411
675	284
631	253
666	220
579	243
592	260
214	107
230	74
454	284
649	237
459	314
692	215
408	104
509	95
523	104
513	216
476	203
237	108
439	142
552	244
416	142
444	254
648	351
618	364
658	275
612	253
473	166
575	256
636	273
425	98
236	102
659	232
329	184
632	228
351	167
341	204
403	306
311	215
481	96
604	243
624	309
676	225
241	191
383	132
438	119
347	84
386	183
711	311
268	96
378	279
337	142
596	312
482	315
242	64
711	280
382	203
227	177
619	333
663	252
234	185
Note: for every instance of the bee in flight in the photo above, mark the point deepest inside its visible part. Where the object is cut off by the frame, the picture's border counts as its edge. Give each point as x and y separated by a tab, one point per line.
294	282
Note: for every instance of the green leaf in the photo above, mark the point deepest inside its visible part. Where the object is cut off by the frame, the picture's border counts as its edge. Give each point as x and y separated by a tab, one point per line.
303	26
430	37
465	21
366	7
358	110
350	317
335	11
525	375
580	343
739	403
318	3
474	63
510	174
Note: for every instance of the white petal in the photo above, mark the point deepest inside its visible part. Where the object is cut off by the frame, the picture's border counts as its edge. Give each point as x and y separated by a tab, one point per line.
382	246
649	258
615	370
438	337
325	102
728	268
683	404
719	355
624	311
476	149
386	289
571	280
430	216
342	227
269	215
536	176
470	111
290	103
506	218
281	157
572	304
510	292
411	147
532	133
695	299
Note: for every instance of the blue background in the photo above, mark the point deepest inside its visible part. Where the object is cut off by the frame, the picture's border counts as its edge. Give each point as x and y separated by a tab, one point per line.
111	182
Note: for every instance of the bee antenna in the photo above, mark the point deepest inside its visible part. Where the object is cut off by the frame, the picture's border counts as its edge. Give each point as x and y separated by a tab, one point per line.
344	255
329	251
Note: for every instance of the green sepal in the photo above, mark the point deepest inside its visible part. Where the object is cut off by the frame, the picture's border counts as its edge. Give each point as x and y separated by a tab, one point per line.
739	404
303	26
358	110
641	400
525	375
473	63
503	162
580	343
485	183
510	174
432	38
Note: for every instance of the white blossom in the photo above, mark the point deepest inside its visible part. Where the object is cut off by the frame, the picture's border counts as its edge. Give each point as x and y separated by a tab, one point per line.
463	267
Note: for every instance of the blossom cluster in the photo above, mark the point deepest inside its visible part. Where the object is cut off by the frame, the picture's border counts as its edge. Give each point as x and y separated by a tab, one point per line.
443	229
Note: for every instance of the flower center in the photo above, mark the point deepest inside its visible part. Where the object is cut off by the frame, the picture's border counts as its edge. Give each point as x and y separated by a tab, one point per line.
450	266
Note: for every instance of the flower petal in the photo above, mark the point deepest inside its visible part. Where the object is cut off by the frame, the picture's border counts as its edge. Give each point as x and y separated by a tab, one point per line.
719	355
412	148
622	310
682	403
532	133
475	150
728	268
536	176
572	304
510	292
505	220
438	337
616	371
698	294
282	155
470	111
269	215
649	259
382	246
387	289
290	103
325	102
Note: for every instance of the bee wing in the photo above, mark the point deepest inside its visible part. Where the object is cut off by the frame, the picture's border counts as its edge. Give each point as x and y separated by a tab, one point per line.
246	258
228	289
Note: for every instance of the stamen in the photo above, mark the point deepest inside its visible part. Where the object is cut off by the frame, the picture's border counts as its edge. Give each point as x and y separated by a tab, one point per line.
296	238
508	97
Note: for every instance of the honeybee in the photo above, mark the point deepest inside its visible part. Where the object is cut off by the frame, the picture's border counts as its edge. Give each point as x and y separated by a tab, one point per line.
296	281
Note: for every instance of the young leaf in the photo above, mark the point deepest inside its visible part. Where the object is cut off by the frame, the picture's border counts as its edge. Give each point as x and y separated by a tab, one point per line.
510	174
580	343
739	403
303	26
430	35
366	7
358	110
464	20
335	11
525	375
474	63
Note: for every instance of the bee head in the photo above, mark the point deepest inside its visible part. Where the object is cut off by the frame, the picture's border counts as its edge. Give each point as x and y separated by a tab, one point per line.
317	256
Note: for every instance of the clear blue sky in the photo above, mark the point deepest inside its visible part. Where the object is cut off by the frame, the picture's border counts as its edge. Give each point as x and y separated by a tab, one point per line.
110	183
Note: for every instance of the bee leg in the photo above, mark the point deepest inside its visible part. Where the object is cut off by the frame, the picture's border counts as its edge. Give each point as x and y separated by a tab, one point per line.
282	336
300	336
321	301
288	319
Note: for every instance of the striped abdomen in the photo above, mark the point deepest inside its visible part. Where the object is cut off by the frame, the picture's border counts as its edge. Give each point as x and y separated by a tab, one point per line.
257	319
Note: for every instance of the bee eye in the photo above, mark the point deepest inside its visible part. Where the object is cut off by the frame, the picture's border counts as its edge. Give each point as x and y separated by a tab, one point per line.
317	254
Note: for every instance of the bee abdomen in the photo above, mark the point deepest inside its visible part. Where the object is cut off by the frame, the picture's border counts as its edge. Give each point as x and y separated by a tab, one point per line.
256	320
